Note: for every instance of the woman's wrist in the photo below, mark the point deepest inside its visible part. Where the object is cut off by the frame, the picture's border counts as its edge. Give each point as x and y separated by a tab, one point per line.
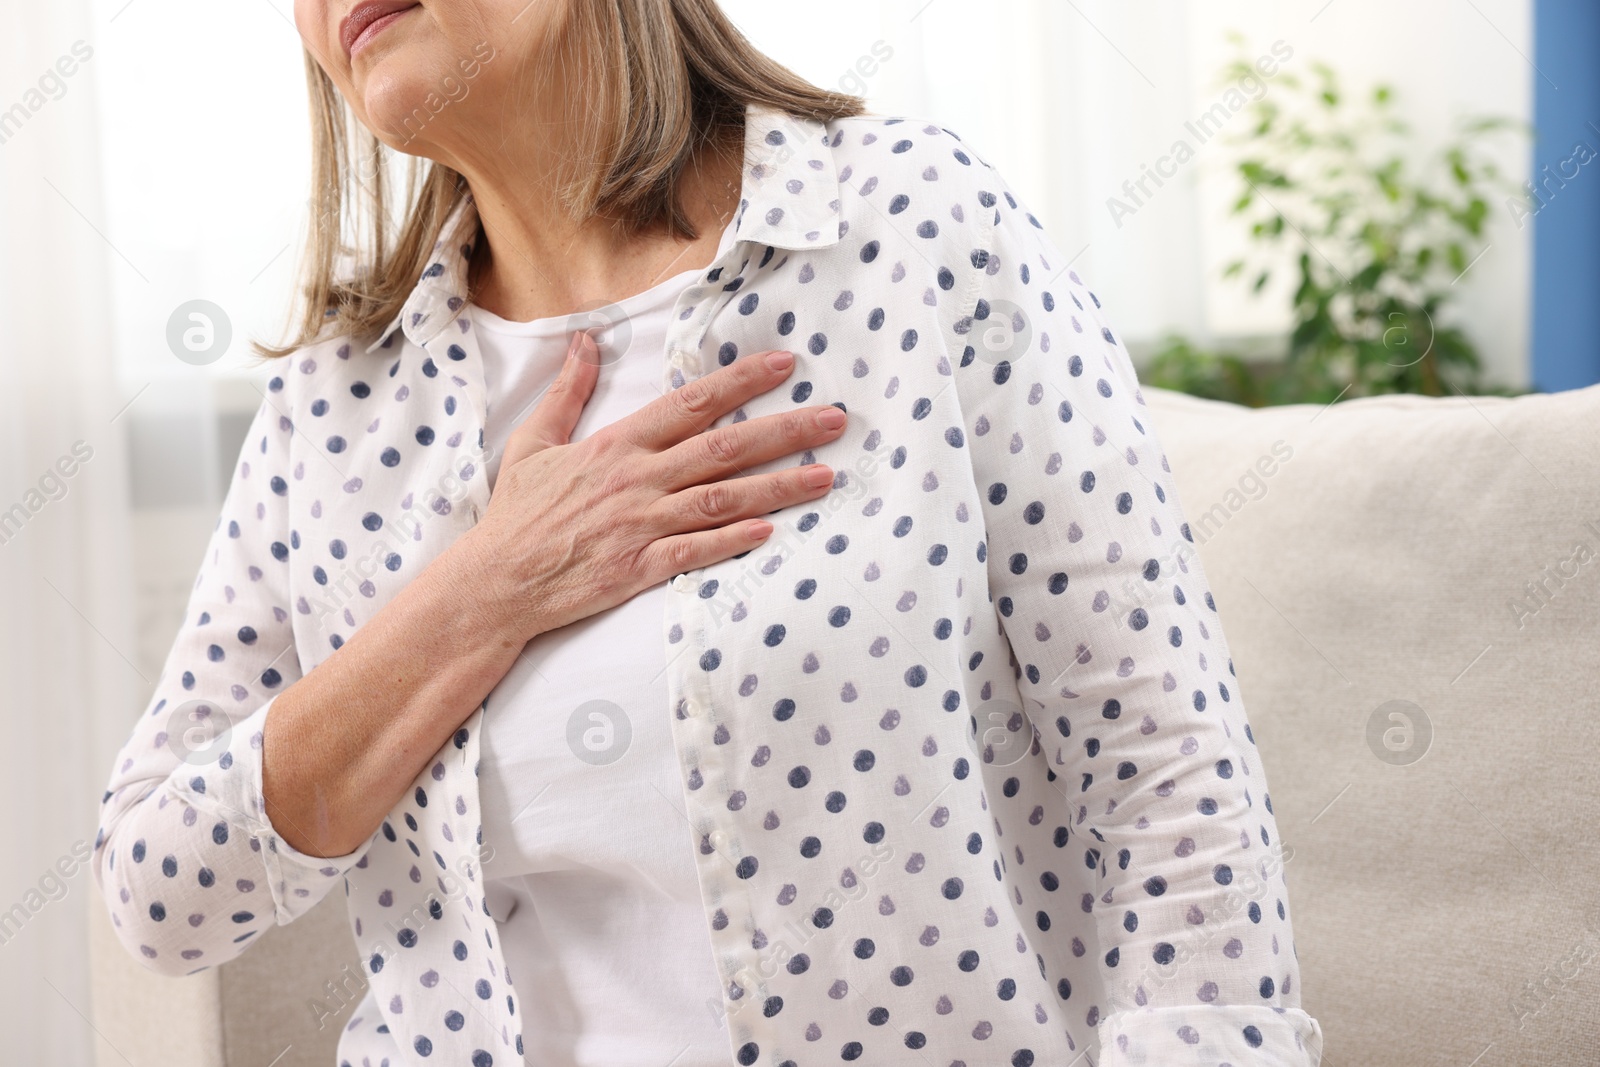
503	613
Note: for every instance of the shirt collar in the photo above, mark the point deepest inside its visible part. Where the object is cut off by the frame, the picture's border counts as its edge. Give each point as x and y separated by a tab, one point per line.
788	198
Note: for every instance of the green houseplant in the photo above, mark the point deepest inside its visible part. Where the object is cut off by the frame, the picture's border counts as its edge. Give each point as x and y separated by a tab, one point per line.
1377	237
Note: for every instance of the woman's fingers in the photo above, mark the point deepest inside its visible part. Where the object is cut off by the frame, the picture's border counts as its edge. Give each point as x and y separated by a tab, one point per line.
718	502
732	508
554	417
693	406
685	552
672	431
734	449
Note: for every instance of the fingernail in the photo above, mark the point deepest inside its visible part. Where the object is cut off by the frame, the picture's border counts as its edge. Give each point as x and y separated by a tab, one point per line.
779	360
830	418
818	476
585	347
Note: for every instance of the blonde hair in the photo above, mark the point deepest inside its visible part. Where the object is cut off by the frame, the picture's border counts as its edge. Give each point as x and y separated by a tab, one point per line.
655	81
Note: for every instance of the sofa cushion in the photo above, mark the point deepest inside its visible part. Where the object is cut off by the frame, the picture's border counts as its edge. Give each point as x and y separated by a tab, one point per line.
1411	590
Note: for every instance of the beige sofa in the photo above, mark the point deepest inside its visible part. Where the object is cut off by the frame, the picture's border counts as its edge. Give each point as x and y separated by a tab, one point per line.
1411	588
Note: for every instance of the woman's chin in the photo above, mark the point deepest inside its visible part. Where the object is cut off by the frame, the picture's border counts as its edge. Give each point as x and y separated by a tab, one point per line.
397	110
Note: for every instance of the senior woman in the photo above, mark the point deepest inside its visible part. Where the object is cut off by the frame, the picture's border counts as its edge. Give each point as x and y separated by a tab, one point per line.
941	762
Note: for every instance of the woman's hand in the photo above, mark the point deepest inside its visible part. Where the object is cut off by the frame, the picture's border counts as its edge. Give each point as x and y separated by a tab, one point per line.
575	528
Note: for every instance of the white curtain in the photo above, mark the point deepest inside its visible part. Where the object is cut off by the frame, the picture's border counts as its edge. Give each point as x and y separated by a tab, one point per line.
69	683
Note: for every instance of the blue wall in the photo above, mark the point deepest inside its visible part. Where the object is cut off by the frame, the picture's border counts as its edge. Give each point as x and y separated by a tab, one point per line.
1566	225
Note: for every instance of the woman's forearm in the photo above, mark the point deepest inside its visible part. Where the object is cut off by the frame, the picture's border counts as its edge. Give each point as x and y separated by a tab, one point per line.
341	745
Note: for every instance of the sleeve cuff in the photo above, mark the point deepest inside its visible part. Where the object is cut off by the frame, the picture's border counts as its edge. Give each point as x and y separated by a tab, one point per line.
227	785
1201	1034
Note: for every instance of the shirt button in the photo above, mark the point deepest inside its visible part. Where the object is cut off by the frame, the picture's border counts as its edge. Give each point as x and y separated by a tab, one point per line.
682	583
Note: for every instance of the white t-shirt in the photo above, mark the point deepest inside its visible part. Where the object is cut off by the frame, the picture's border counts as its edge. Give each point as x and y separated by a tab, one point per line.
591	877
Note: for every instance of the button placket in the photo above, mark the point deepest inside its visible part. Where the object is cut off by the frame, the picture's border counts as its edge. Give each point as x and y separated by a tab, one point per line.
709	817
709	821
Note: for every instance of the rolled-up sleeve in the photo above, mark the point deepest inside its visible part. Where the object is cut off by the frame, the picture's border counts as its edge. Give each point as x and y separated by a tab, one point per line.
1122	664
189	865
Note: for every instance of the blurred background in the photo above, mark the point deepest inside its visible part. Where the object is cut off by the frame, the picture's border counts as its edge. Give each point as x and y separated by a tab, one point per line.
1277	200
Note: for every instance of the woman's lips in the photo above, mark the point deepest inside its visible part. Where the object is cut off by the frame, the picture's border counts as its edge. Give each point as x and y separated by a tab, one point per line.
368	19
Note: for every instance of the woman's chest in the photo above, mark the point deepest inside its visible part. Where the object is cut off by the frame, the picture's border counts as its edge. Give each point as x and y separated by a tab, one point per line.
391	452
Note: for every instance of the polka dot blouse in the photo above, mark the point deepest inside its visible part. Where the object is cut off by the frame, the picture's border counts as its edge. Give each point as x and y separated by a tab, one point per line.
968	773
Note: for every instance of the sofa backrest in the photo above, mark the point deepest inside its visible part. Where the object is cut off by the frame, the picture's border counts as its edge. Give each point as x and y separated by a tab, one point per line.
1411	590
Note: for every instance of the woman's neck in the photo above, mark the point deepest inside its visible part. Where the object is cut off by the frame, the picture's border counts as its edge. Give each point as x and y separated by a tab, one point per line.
534	263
